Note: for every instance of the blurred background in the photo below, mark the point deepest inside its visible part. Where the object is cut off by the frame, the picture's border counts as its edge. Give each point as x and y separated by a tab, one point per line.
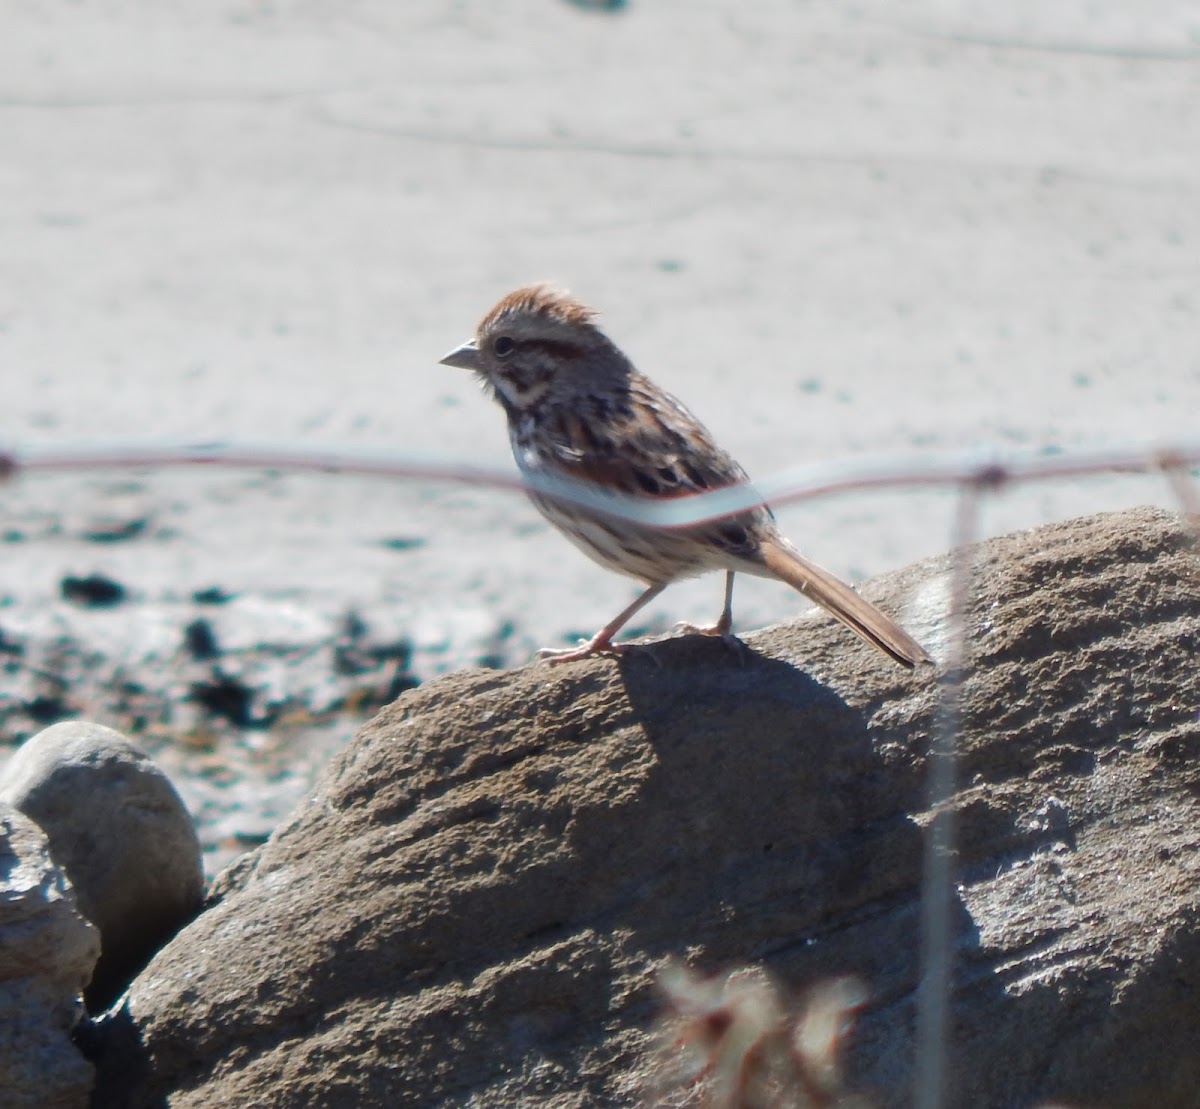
834	230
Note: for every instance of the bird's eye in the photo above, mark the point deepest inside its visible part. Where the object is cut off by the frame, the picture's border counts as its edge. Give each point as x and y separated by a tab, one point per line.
503	346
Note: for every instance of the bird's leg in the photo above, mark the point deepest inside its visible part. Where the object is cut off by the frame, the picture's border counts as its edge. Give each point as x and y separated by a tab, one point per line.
602	642
724	626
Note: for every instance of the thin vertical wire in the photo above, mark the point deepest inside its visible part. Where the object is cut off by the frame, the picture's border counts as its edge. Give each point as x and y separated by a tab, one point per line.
1184	487
933	990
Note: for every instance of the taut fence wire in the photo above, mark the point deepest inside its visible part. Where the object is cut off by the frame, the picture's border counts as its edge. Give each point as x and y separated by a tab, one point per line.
974	476
809	482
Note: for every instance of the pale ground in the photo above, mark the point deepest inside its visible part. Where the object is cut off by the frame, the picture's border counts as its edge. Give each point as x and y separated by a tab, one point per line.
835	230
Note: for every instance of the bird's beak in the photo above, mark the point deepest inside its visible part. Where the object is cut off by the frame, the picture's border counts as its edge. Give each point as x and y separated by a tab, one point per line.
465	357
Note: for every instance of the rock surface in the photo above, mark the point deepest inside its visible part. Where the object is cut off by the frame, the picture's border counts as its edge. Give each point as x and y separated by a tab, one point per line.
469	905
121	833
47	952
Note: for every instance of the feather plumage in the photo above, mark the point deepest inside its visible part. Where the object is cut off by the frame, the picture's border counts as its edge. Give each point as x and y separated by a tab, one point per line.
578	408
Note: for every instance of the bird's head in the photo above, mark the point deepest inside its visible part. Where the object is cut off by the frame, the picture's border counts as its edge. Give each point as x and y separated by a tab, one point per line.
538	341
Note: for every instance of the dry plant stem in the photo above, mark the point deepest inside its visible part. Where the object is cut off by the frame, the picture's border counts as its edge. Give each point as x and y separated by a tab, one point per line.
933	991
733	1042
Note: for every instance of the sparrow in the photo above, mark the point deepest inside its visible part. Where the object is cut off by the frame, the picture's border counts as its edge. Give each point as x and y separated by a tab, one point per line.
578	408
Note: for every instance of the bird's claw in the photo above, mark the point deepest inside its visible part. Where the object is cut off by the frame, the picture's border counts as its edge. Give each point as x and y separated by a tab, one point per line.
590	648
720	630
684	628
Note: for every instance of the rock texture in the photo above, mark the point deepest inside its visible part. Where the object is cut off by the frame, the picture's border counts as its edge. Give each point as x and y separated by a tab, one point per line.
47	952
121	833
469	905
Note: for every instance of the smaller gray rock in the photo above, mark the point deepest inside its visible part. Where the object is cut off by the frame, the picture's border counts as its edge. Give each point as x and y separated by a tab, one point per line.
47	952
121	833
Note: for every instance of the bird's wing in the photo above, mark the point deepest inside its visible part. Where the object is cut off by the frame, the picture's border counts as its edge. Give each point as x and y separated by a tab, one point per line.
646	443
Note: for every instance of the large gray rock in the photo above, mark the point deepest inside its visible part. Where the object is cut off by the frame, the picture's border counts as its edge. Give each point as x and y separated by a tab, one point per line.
47	952
120	831
469	905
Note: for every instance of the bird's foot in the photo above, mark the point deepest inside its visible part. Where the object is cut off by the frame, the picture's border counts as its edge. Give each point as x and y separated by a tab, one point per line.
599	644
721	629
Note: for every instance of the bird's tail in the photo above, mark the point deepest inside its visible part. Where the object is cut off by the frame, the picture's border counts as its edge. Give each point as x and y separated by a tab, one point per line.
833	595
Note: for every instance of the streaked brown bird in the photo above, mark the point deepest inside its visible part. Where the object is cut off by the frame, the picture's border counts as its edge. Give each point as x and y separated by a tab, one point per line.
578	408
